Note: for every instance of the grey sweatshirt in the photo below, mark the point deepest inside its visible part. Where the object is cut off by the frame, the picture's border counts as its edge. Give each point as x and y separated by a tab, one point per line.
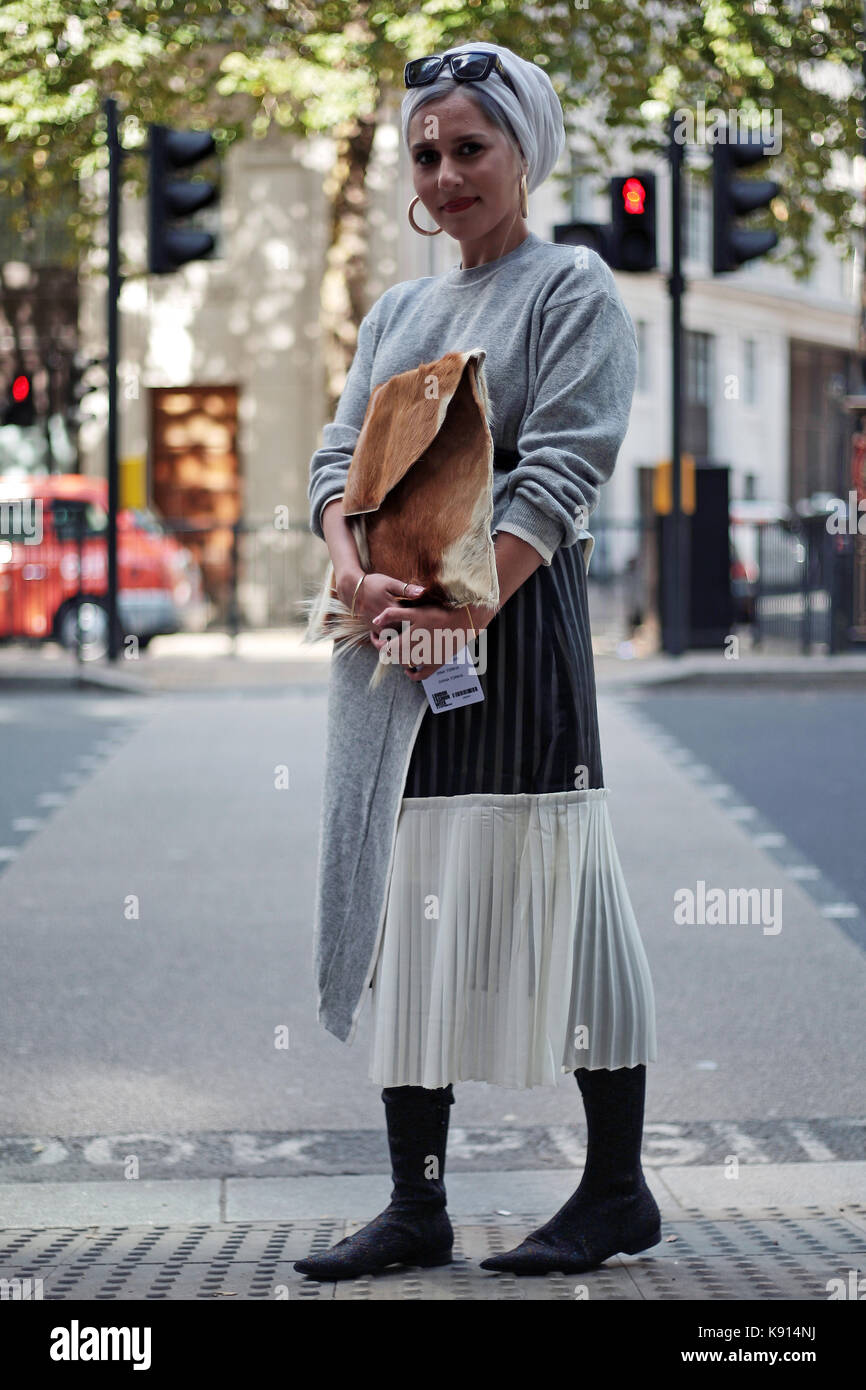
560	369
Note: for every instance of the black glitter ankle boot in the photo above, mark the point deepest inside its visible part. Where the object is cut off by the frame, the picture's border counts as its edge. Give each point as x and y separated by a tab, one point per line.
612	1209
414	1229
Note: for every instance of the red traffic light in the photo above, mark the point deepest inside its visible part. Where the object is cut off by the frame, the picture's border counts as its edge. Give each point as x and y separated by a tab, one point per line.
18	407
633	196
633	222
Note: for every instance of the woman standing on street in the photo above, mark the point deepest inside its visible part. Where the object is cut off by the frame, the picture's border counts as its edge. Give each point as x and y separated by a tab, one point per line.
467	868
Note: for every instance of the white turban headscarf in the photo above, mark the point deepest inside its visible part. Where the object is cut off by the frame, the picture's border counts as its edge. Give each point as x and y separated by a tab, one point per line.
535	114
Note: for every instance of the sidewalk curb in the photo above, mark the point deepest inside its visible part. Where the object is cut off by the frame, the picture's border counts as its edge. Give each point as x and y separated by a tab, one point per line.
279	659
699	671
608	681
739	680
694	1191
109	680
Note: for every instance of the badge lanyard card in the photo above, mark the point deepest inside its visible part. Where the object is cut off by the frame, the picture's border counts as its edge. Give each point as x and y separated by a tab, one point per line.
454	684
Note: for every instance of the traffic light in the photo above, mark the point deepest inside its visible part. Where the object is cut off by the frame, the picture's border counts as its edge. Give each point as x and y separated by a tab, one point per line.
80	368
592	234
171	246
663	486
732	197
18	408
633	223
628	242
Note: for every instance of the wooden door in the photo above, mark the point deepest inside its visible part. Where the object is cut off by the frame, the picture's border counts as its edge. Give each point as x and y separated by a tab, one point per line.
195	475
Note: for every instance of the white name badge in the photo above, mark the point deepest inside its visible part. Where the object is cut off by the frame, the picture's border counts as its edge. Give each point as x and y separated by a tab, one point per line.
454	684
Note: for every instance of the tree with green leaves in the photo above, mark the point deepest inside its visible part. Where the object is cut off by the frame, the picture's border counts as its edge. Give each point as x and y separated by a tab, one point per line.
335	68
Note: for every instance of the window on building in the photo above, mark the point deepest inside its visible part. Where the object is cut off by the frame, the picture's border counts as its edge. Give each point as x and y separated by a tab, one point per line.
848	274
819	425
697	220
73	517
750	372
583	191
643	370
38	233
697	393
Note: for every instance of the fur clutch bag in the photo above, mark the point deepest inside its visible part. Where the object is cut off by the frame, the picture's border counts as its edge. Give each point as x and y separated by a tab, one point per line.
419	495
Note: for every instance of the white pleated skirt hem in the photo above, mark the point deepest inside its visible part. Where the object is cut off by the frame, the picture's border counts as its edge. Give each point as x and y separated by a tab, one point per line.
510	952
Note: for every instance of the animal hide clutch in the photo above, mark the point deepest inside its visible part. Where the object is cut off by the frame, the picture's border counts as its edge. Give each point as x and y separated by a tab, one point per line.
419	495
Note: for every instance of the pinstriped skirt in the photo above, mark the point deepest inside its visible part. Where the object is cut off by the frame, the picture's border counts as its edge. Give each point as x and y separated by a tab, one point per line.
510	952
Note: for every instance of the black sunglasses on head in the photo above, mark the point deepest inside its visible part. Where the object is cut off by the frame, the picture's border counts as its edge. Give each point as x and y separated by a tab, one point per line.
465	67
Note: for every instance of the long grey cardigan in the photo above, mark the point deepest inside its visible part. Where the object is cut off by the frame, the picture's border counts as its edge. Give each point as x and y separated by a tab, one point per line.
560	369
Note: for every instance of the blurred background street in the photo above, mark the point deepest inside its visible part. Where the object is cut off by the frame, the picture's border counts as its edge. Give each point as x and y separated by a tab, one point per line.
194	219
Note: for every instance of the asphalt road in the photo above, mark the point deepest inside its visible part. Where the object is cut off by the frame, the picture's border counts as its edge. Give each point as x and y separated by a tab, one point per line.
798	756
157	930
50	744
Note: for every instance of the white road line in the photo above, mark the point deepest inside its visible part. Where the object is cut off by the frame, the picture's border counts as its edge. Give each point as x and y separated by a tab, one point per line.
566	1141
50	799
811	1146
746	1149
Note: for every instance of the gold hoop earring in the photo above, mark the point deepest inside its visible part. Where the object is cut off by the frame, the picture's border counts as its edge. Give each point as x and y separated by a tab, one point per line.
524	197
413	223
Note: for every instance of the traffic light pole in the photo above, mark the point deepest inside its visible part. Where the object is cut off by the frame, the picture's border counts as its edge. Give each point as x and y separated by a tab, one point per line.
861	346
676	580
114	158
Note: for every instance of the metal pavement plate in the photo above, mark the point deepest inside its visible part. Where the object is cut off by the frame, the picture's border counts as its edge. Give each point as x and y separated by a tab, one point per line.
768	1254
